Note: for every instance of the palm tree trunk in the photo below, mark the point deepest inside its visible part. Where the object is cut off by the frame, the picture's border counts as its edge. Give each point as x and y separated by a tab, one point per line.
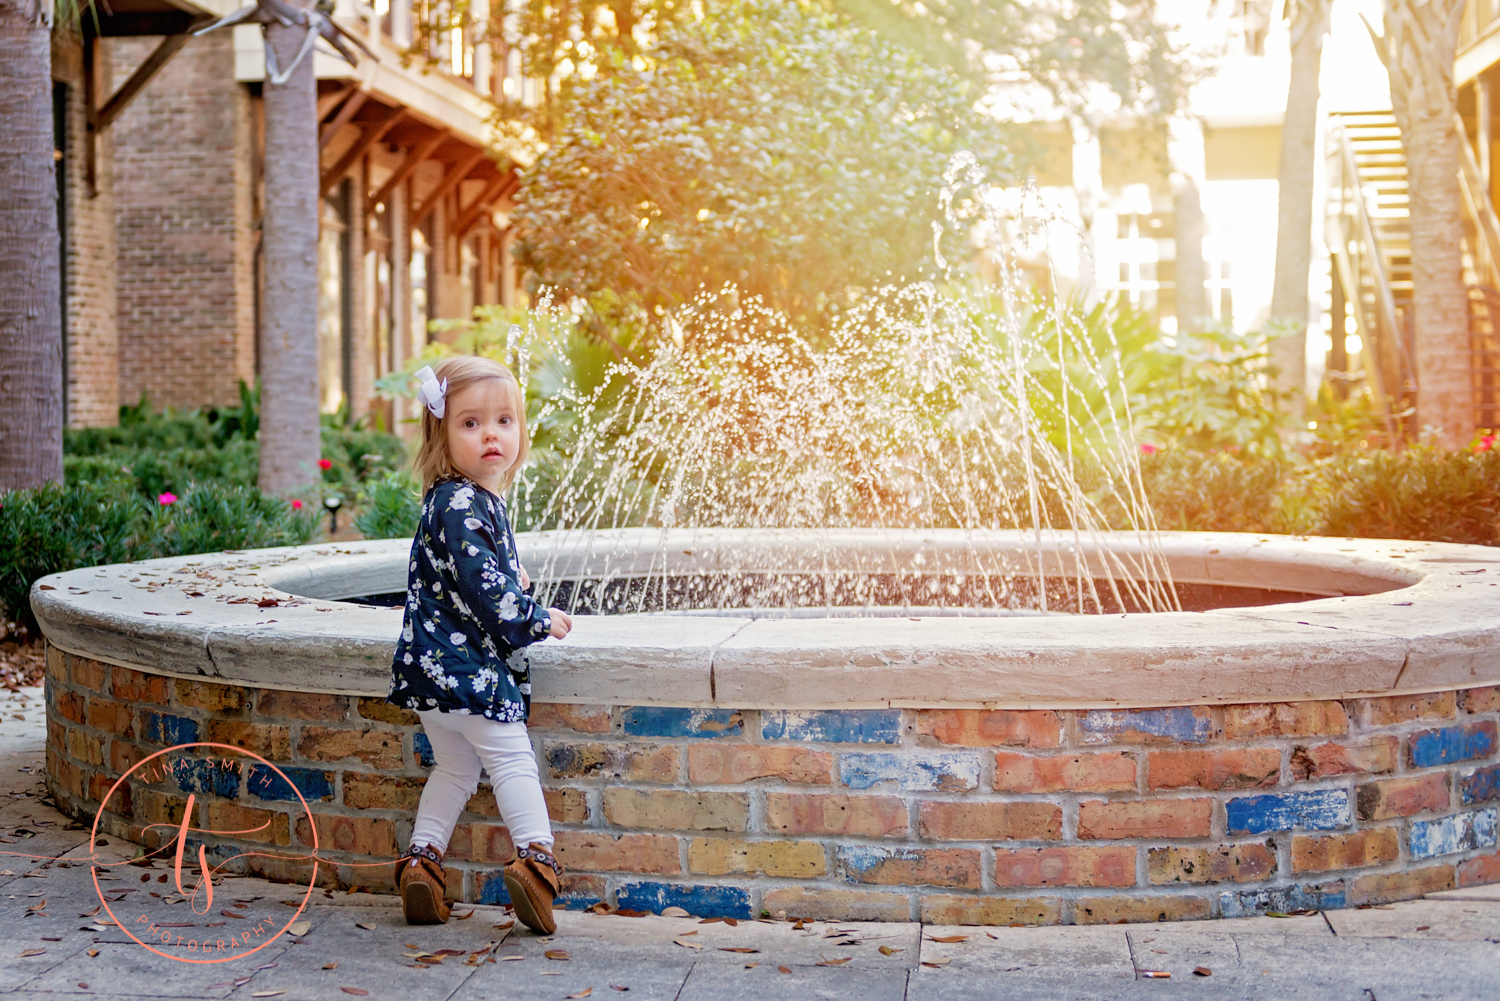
1421	39
1294	207
289	425
30	270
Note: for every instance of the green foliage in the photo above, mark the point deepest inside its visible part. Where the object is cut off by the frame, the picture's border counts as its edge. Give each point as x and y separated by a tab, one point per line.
1215	492
768	145
152	471
212	516
389	507
1419	493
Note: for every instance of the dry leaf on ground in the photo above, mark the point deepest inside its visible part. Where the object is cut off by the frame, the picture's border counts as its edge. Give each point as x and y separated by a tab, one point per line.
686	945
886	950
742	948
93	952
330	966
1203	971
618	987
267	994
784	969
32	952
948	938
674	912
556	954
463	917
943	961
299	928
581	994
361	924
356	991
836	962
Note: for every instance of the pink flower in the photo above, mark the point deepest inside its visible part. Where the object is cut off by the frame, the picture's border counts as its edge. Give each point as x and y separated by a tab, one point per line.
167	498
1148	449
1485	444
325	463
296	505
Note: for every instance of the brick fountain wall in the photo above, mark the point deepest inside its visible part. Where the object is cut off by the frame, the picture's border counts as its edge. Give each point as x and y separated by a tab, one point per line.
951	816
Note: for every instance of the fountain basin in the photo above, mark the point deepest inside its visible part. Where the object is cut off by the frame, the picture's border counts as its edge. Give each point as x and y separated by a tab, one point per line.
1065	768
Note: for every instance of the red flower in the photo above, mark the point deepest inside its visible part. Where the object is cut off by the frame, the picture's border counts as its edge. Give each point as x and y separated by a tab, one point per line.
1148	449
325	463
296	505
1485	444
167	499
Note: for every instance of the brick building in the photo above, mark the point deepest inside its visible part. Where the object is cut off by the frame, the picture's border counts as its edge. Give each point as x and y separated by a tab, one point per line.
162	216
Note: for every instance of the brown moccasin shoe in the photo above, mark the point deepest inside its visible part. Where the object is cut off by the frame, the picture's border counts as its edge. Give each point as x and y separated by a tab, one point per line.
533	883
422	883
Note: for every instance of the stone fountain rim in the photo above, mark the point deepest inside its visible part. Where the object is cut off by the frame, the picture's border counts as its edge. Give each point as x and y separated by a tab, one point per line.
1401	617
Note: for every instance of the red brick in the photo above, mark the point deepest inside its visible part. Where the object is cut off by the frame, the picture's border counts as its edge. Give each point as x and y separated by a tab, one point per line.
734	764
90	674
384	712
564	716
567	759
376	748
1404	708
271	742
136	686
1242	863
951	909
1388	887
820	904
1285	719
1235	768
154	807
117	802
1160	818
123	756
564	806
1473	700
990	728
481	843
1480	871
303	705
1320	761
85	747
211	698
358	835
971	821
1065	866
1122	910
70	706
112	716
851	816
248	823
1324	853
1101	771
364	791
601	852
911	866
1402	797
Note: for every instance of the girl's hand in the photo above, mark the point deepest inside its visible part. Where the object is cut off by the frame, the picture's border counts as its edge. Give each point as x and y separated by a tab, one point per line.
525	579
562	623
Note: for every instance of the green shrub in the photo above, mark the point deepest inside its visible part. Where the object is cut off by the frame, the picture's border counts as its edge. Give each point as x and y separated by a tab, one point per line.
1212	492
154	471
389	507
1419	493
213	516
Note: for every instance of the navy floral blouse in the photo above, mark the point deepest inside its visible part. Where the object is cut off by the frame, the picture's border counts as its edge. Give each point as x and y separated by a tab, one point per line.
468	623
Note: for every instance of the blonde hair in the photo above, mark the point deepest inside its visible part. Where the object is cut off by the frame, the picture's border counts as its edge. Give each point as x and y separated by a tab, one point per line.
434	462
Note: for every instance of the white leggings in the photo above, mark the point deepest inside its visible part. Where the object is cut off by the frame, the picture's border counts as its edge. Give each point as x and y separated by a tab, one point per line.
461	744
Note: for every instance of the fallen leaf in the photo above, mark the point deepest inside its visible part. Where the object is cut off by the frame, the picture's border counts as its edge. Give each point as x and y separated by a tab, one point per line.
505	924
1202	971
886	950
948	938
687	933
556	954
361	924
267	994
231	914
1423	927
37	906
89	914
463	917
509	959
798	925
686	945
618	987
299	928
784	969
32	952
993	935
581	994
330	966
836	962
674	912
93	953
741	948
935	963
751	966
550	973
83	985
451	952
413	945
216	924
731	922
356	991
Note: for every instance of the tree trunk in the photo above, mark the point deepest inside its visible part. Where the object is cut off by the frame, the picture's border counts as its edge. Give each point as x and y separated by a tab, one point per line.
1421	38
1294	204
290	442
30	269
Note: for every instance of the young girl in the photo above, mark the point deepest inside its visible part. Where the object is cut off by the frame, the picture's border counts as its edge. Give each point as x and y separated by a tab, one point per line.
461	661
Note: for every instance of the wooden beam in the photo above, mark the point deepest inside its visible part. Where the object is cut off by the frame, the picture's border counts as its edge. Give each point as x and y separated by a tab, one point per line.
452	180
329	101
368	138
356	101
497	189
414	159
159	57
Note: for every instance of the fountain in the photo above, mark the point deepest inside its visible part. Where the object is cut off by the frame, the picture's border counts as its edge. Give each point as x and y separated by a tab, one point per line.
879	628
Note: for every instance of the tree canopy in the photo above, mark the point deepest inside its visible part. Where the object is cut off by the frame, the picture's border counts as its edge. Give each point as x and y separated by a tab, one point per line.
771	145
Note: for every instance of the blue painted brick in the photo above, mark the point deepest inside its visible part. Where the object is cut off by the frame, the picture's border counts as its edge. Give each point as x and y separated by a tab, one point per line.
1316	810
492	891
833	726
1181	724
857	860
164	728
1461	832
1445	745
207	777
928	773
423	747
313	783
1480	785
669	721
700	901
1283	899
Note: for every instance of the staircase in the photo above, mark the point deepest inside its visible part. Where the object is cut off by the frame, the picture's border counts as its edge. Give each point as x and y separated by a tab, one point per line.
1370	235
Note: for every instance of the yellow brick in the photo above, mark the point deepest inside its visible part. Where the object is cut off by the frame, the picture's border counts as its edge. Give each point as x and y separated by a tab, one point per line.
670	810
945	909
722	856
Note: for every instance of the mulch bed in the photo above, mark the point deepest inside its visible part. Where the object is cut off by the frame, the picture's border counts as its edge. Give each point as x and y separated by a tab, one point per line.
22	665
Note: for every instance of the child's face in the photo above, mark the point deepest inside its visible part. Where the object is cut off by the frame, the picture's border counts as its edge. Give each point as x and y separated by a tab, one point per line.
484	431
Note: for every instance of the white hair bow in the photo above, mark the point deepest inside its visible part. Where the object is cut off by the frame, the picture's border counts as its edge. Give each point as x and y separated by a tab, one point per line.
431	392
